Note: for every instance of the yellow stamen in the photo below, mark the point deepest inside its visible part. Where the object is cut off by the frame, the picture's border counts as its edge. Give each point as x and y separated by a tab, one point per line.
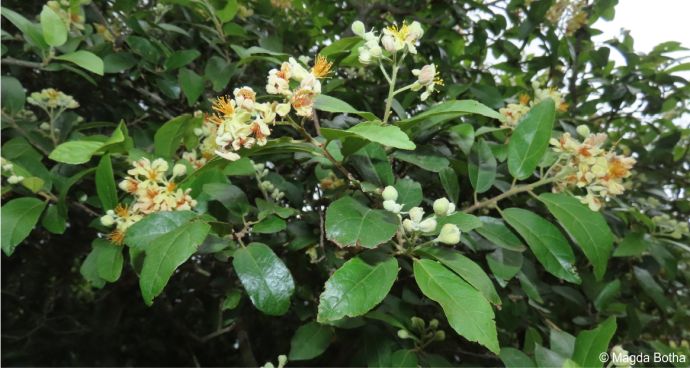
524	99
321	67
402	33
122	211
223	106
117	237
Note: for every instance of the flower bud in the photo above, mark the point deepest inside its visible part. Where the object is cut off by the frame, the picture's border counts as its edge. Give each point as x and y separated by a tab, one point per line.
583	130
418	323
408	225
107	220
391	206
440	335
179	170
282	360
428	225
416	214
15	179
358	28
404	334
433	324
450	234
390	193
283	109
388	43
441	206
375	51
364	56
45	126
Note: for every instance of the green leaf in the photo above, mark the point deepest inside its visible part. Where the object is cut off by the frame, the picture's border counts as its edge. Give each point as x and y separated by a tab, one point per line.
429	162
75	152
591	343
118	62
310	340
463	136
633	245
452	109
166	253
495	231
169	136
19	216
481	167
265	277
332	104
652	289
219	72
588	228
13	94
349	223
192	85
84	59
53	221
371	161
355	288
531	139
387	135
514	358
504	263
468	312
54	29
32	32
467	269
409	193
546	241
562	342
109	259
404	358
181	58
105	183
151	227
270	225
547	358
464	221
450	183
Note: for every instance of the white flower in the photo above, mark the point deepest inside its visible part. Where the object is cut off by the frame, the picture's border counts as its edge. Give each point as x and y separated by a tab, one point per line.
15	179
441	206
364	56
298	71
245	98
389	43
391	206
390	193
450	234
232	156
415	31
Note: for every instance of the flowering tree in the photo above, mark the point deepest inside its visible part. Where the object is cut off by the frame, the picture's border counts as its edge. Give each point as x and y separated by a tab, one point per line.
376	191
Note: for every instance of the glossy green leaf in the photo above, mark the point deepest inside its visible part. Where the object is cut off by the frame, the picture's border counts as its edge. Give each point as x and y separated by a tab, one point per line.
192	85
355	288
452	109
181	58
495	231
531	139
19	216
169	136
13	94
54	29
468	312
409	193
464	221
547	242
53	221
310	341
591	343
332	104
265	277
504	263
450	183
109	259
387	135
467	269
166	253
75	152
145	231
588	228
404	358
633	245
481	167
84	59
105	183
429	162
348	223
514	358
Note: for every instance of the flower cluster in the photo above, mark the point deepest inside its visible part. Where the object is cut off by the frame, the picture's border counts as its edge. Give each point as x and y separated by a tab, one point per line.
392	40
153	191
667	226
70	15
302	98
51	99
571	13
265	185
416	223
514	112
8	169
588	165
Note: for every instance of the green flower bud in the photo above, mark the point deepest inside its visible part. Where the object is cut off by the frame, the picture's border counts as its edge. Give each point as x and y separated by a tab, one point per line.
404	334
583	130
440	335
450	234
358	28
433	324
418	323
390	194
441	206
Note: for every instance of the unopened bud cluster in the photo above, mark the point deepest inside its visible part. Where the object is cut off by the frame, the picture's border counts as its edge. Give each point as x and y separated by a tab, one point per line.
421	333
265	185
417	224
9	171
